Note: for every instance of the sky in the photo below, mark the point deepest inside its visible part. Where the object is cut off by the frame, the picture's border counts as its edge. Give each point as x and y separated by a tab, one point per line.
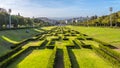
60	8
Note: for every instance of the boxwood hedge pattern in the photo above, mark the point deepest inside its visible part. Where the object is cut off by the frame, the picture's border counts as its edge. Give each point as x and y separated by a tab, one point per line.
61	34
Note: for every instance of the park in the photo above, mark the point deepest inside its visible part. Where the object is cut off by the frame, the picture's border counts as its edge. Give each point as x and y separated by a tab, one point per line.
59	34
60	47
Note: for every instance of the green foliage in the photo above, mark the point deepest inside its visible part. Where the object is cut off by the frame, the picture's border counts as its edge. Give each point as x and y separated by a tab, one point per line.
111	52
67	62
101	21
20	21
52	58
105	55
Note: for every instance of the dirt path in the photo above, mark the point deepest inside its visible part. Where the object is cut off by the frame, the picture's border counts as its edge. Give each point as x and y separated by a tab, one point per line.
59	63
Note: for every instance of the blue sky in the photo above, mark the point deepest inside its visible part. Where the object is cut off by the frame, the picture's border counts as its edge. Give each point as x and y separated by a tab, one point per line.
60	8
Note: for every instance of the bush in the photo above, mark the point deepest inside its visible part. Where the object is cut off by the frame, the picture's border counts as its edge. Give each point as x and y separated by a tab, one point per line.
106	56
104	43
12	58
111	52
67	62
52	58
20	44
65	38
50	44
7	55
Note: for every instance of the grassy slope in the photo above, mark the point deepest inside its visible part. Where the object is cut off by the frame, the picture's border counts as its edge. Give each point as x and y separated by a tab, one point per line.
37	59
109	35
88	59
17	36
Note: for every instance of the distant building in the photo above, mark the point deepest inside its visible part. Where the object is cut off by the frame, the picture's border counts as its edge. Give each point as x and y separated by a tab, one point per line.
3	10
76	20
66	21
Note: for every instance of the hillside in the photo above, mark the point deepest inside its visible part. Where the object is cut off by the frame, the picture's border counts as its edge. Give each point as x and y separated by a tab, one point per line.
102	21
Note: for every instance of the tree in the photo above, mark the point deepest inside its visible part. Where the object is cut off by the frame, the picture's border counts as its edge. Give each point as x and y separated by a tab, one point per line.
3	19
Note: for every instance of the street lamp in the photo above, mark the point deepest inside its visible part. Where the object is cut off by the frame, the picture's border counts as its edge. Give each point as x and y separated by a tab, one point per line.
33	21
9	11
87	20
110	9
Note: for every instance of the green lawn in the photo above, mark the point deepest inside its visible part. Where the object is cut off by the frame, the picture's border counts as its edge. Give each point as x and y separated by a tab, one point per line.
86	58
36	59
110	35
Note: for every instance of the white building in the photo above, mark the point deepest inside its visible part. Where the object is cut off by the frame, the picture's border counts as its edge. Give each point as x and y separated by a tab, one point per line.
66	21
76	20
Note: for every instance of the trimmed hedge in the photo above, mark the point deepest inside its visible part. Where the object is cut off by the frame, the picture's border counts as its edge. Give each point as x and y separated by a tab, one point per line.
50	44
72	43
89	38
65	38
104	43
17	28
52	58
67	62
106	56
12	58
7	55
85	46
78	43
20	44
111	52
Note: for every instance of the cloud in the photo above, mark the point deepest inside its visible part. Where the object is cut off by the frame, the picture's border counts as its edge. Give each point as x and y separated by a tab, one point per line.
28	8
59	8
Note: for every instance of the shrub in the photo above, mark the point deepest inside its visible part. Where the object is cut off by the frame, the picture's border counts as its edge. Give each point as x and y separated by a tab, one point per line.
104	43
111	52
78	43
12	58
65	38
7	55
67	62
106	56
52	58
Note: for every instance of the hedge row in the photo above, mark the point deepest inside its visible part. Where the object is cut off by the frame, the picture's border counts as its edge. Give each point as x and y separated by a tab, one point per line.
17	28
27	40
12	58
67	62
104	43
20	44
106	56
72	43
7	55
78	43
16	48
111	52
42	37
52	58
50	44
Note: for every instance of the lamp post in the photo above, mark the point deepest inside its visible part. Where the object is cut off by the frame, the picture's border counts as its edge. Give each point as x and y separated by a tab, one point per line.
33	21
9	17
87	21
110	9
